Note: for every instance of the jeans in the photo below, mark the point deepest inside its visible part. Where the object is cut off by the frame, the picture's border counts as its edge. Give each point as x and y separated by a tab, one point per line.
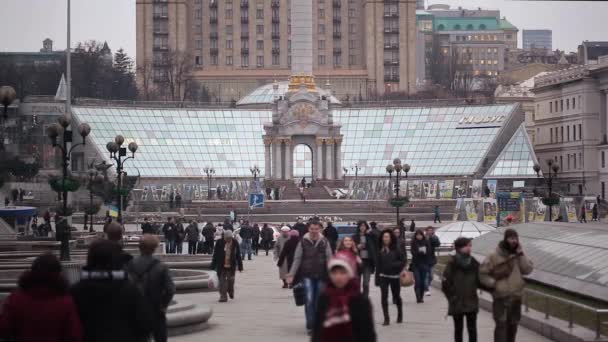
246	248
313	289
192	247
420	275
437	218
159	332
395	287
179	245
471	326
169	246
226	278
507	313
255	245
366	273
429	278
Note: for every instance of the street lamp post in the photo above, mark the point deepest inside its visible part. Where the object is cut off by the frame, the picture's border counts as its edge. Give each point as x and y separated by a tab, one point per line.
7	96
209	171
553	170
117	152
397	168
356	168
93	176
53	131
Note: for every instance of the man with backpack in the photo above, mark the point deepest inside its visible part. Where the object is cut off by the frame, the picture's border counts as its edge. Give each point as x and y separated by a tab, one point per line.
154	281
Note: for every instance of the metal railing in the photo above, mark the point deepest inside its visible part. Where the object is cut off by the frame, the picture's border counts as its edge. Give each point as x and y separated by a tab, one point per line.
598	313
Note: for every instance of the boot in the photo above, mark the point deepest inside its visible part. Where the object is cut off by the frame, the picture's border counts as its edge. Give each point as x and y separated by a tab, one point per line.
386	315
399	313
284	284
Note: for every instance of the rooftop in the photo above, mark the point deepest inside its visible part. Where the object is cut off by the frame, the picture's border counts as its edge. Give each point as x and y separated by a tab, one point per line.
506	25
268	93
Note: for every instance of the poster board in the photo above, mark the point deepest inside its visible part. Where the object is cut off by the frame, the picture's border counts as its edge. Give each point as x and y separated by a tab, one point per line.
446	188
414	189
492	185
477	190
489	211
472	209
570	207
429	189
510	204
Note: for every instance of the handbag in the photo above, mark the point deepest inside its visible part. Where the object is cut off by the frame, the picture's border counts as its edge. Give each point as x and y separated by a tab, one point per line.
299	294
406	278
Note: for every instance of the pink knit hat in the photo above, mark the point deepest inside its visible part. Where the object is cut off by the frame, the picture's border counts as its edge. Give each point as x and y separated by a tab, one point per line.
344	260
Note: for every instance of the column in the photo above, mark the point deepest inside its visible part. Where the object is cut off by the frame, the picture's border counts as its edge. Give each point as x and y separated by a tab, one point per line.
319	159
278	159
288	159
267	158
329	149
338	158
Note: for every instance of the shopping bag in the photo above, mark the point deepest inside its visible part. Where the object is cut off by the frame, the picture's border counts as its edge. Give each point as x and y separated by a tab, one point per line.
406	278
299	294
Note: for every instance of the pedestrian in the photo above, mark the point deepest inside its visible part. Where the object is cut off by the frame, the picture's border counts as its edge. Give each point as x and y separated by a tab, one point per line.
486	191
366	245
246	234
437	214
267	237
47	217
114	233
303	183
178	200
255	242
226	260
401	245
193	236
169	233
278	248
153	279
503	272
209	235
459	283
180	235
171	198
373	226
412	226
146	227
434	243
110	306
63	234
6	201
310	268
300	227
420	249
228	225
331	234
594	212
268	194
343	313
41	308
288	252
390	264
583	214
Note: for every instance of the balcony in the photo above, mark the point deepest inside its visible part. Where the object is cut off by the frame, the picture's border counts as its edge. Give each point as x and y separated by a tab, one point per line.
213	4
391	30
160	48
337	19
276	51
244	20
337	51
391	78
213	35
244	35
275	3
244	3
213	51
337	35
391	62
244	51
160	16
391	46
337	3
276	19
275	35
391	15
213	20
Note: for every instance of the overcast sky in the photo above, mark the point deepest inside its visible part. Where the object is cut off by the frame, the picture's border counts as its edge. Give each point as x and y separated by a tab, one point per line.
26	23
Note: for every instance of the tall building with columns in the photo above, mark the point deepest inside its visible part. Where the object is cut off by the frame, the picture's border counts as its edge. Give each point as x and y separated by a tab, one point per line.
363	48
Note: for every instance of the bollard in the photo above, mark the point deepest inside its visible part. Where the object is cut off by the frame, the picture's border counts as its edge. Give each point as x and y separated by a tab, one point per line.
570	317
546	307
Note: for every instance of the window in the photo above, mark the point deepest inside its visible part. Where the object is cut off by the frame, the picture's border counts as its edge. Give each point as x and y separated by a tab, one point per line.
321	13
568	132
352	13
352	28
568	161
574	132
551	134
352	44
244	61
198	60
562	134
259	13
77	161
440	27
603	160
275	44
580	131
228	29
574	161
259	44
556	135
228	14
352	59
470	27
567	104
198	44
561	105
259	29
229	44
337	60
244	44
321	28
321	45
573	103
228	60
561	162
482	27
321	59
213	59
550	107
275	59
457	27
213	43
582	161
556	107
509	36
259	61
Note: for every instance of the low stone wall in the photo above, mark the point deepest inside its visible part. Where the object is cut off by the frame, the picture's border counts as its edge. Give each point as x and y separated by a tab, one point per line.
185	318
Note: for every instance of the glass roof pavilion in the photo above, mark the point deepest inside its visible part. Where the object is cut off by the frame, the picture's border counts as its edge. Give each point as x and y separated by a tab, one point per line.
435	141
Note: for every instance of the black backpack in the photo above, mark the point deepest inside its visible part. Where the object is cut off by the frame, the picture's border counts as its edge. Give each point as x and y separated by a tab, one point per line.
141	279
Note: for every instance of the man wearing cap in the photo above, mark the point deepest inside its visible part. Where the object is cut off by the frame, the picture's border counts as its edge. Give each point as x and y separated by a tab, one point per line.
278	248
226	260
503	272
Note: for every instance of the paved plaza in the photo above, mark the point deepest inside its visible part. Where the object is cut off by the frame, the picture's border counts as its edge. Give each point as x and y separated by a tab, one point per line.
263	312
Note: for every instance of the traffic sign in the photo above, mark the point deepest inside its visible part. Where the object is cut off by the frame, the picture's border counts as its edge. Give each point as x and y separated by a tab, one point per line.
256	201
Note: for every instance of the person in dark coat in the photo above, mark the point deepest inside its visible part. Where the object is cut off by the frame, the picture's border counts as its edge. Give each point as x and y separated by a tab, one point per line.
300	227
412	226
228	225
41	308
246	233
267	236
390	262
434	243
178	200
114	233
180	235
255	242
331	234
373	229
343	314
192	235
110	306
226	260
459	283
420	249
289	250
171	197
209	235
366	245
401	244
170	235
146	227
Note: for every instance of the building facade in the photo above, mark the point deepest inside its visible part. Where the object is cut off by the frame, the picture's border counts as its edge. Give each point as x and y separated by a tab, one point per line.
234	46
539	39
589	52
571	126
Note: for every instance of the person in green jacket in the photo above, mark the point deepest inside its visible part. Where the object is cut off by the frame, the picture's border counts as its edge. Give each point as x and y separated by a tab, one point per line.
459	283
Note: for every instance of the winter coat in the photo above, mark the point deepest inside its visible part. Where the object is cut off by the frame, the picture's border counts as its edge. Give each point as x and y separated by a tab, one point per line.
41	309
146	228
288	252
459	283
331	234
180	232
301	228
169	231
278	247
361	315
192	232
391	263
420	250
434	243
246	232
256	233
517	265
112	308
217	261
310	259
267	234
370	246
208	232
157	282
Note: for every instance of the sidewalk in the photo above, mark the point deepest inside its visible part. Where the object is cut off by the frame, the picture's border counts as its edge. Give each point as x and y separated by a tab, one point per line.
263	312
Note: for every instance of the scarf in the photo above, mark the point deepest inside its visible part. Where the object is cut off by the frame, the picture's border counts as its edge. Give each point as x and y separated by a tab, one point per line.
463	260
338	311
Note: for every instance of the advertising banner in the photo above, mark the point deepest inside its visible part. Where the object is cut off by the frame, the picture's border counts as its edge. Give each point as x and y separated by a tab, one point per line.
489	211
429	189
413	189
510	204
476	193
446	188
472	209
492	184
536	210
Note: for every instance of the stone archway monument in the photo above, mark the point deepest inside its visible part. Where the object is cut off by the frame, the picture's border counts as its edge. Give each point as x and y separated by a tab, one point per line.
303	115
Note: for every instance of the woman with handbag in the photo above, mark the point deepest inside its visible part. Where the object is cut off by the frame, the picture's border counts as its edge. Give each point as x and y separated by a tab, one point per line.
420	250
390	263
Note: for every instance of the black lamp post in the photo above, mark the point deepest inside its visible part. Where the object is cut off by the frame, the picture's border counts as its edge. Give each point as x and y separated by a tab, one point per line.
117	152
7	96
93	176
209	171
398	169
53	131
553	169
356	168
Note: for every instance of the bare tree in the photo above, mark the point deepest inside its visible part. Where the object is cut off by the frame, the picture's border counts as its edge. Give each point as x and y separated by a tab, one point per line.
179	65
145	77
